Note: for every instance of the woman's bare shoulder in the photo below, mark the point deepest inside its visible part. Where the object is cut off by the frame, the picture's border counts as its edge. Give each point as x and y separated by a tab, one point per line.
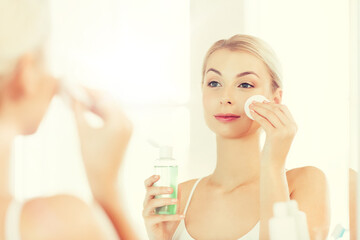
309	187
59	217
304	176
188	184
184	192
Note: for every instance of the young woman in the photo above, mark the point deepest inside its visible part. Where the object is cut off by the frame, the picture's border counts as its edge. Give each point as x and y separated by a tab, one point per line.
26	90
236	200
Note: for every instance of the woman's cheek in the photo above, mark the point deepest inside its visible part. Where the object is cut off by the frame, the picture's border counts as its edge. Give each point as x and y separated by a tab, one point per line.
209	103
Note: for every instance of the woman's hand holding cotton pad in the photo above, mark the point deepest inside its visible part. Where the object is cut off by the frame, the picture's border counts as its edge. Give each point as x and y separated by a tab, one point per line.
257	98
73	93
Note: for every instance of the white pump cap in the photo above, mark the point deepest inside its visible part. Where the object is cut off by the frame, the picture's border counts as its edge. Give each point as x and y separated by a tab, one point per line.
280	209
165	152
285	208
293	207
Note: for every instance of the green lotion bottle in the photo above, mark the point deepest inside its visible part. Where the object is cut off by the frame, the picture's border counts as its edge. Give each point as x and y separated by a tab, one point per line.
166	167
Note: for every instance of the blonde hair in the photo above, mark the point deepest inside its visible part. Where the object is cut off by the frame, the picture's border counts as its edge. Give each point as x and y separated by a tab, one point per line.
24	26
254	46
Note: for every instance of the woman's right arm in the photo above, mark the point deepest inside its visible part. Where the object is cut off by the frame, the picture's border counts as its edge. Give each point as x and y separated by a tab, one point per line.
159	227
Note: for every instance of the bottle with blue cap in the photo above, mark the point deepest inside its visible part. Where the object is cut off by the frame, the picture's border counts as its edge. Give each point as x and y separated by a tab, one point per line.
167	168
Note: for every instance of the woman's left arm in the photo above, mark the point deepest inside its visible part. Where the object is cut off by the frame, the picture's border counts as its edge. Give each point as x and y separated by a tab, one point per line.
280	129
103	150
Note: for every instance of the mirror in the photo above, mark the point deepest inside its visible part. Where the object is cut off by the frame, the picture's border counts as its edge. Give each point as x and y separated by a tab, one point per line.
149	55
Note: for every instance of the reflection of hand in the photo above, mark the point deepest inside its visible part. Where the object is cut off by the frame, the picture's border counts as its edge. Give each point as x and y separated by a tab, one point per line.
158	227
103	148
280	129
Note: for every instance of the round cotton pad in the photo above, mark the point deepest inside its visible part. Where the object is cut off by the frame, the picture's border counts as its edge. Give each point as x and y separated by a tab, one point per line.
258	98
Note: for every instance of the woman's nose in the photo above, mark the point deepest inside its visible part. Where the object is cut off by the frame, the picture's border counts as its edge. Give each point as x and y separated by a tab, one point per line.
225	101
227	98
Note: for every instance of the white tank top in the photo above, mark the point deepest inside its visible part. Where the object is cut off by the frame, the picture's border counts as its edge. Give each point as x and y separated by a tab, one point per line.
181	232
12	221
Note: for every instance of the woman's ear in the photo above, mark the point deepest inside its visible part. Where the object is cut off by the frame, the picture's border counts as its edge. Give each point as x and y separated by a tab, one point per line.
25	77
278	96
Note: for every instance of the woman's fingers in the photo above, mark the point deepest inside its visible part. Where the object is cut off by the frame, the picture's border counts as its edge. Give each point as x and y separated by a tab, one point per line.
151	180
277	114
275	109
286	111
151	203
156	219
159	190
103	105
79	113
149	209
264	123
153	191
284	115
267	114
148	183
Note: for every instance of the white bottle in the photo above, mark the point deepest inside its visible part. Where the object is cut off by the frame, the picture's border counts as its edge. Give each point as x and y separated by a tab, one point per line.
300	218
282	226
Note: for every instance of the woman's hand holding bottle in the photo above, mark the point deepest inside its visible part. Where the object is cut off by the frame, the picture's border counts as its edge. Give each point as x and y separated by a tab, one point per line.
159	227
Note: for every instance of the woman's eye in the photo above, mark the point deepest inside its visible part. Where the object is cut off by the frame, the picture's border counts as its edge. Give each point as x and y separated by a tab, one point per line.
214	84
246	85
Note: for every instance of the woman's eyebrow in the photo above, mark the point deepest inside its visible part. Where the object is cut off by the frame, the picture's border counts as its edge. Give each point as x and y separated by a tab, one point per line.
239	75
213	70
247	73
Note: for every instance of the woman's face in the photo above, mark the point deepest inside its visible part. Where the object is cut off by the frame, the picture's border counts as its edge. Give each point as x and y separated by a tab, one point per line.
28	96
38	102
231	77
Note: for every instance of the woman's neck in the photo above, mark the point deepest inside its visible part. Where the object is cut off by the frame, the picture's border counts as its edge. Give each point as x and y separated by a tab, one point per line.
238	162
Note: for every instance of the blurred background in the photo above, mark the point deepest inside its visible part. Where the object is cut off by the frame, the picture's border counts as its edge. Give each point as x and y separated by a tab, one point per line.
148	55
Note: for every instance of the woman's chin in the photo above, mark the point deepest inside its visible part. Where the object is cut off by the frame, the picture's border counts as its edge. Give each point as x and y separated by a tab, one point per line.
230	133
29	129
234	132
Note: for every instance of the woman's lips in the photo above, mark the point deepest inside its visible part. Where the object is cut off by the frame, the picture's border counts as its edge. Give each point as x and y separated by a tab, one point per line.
228	117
